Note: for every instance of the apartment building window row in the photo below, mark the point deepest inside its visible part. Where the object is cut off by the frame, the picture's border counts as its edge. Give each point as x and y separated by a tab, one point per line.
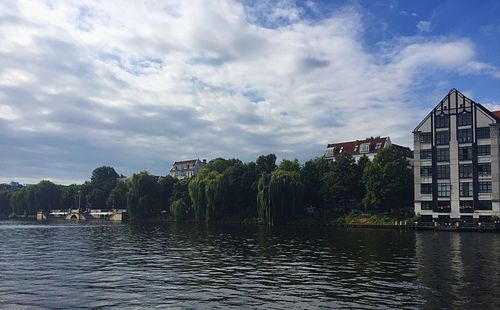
426	188
466	206
484	205
443	172
444	207
442	138
425	154
444	189
425	137
464	119
426	205
483	150
485	187
426	171
466	189
465	153
443	154
465	171
484	169
483	133
464	135
442	121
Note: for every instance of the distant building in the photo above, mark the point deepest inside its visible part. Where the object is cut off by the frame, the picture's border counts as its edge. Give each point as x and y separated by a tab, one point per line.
187	168
368	147
12	186
457	162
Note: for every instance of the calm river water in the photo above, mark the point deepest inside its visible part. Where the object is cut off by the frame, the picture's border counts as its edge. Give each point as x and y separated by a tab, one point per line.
103	265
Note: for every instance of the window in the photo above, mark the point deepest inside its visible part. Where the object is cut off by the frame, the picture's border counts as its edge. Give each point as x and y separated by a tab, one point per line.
443	171
483	133
426	171
443	154
465	153
466	206
355	148
425	137
442	138
465	170
484	205
442	121
483	150
425	188
466	189
484	169
426	205
443	207
329	153
485	187
378	146
364	148
341	149
425	154
444	189
465	135
464	119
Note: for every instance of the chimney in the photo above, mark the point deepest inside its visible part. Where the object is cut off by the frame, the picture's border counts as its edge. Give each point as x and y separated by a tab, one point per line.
204	161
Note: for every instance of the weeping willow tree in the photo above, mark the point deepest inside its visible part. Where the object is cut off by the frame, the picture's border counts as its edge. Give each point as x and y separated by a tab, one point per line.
216	194
263	198
279	196
197	194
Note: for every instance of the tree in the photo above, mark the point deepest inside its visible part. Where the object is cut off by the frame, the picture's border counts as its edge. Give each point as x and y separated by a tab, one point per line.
285	195
166	189
117	198
179	210
312	177
388	180
263	205
266	163
289	165
142	195
341	183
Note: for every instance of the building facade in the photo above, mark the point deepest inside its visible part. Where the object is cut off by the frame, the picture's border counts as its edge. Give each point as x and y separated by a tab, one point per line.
186	168
456	165
368	147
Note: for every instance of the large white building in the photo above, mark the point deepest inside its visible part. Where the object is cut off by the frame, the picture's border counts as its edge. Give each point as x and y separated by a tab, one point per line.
367	147
456	165
186	168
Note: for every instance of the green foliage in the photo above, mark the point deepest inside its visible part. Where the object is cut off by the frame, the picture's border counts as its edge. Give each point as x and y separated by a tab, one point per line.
342	182
142	198
263	204
266	163
5	207
69	196
388	181
312	177
198	198
178	210
285	195
117	198
289	165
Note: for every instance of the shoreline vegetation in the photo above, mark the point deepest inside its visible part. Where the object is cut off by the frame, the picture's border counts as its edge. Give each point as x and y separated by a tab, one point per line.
261	192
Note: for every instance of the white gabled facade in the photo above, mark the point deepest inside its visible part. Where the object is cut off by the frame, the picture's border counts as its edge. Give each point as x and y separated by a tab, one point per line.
456	162
186	168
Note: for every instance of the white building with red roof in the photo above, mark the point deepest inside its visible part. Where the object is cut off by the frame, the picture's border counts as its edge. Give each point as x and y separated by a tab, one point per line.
186	168
367	147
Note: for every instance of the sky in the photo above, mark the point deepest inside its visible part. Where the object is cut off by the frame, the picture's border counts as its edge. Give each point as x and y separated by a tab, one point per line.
137	85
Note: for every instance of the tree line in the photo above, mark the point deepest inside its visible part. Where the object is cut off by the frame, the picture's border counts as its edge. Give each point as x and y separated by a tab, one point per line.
226	188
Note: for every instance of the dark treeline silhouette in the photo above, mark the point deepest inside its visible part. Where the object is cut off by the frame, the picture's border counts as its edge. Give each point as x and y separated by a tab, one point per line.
229	188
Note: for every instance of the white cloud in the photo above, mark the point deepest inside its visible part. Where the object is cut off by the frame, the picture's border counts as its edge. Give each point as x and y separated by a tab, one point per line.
137	85
424	26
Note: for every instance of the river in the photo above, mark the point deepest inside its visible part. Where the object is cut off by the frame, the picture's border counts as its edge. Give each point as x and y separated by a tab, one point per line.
129	266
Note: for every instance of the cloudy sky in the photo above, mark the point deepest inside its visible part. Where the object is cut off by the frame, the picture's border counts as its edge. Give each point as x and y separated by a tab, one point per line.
139	84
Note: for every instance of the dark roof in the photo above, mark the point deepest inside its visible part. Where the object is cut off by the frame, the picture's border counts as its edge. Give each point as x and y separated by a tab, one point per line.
406	151
192	161
353	147
495	114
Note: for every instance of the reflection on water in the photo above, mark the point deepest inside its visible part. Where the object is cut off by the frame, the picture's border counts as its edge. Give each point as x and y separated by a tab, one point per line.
91	265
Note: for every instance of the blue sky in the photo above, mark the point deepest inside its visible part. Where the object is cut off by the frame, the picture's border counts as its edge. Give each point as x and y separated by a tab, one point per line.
137	85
